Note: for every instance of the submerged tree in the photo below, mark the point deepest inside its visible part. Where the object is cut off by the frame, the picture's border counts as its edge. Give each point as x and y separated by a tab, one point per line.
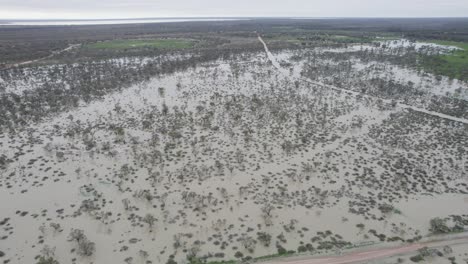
85	247
47	260
150	220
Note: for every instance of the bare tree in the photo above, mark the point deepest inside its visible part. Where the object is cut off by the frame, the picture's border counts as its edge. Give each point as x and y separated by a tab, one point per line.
267	214
85	247
150	220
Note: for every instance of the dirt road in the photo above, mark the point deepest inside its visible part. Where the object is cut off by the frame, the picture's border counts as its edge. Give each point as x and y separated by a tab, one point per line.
46	57
285	72
354	257
372	254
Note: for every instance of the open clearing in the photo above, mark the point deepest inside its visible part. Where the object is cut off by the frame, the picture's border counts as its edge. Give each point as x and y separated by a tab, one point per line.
139	43
454	64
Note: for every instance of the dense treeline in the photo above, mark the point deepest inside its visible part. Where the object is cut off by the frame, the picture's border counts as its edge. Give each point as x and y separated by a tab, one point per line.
30	42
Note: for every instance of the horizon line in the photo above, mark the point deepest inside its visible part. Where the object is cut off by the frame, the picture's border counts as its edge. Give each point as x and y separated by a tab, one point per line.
226	17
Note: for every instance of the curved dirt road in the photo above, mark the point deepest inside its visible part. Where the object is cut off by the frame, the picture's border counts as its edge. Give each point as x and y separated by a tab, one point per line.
49	56
70	47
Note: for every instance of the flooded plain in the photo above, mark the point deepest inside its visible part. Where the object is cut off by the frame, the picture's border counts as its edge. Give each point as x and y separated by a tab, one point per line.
291	150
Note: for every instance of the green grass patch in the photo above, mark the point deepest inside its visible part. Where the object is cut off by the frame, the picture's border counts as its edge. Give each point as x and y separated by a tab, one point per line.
292	35
282	38
453	65
285	254
142	43
461	45
222	262
261	258
195	260
351	39
388	37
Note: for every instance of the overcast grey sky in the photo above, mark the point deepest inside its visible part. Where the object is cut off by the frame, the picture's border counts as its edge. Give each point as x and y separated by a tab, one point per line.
75	9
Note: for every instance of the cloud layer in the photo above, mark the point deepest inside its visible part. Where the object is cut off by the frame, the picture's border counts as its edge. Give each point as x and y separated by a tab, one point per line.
75	9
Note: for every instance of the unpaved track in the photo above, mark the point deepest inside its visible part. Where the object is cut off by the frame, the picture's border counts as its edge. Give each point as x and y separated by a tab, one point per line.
371	254
47	57
421	110
355	257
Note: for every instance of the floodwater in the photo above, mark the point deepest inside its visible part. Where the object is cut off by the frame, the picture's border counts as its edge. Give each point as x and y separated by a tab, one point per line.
237	138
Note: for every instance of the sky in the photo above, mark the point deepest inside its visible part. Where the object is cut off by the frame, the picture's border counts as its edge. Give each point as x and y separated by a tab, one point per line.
106	9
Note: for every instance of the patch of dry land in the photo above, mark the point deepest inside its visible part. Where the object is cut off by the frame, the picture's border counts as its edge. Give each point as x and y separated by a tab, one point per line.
310	151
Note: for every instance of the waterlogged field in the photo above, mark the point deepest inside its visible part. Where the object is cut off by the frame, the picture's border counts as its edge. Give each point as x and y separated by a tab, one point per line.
454	64
306	151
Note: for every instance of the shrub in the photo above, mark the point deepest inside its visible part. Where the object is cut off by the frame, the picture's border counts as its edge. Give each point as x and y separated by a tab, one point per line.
386	208
416	258
281	250
301	249
49	260
238	254
264	238
439	226
86	248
